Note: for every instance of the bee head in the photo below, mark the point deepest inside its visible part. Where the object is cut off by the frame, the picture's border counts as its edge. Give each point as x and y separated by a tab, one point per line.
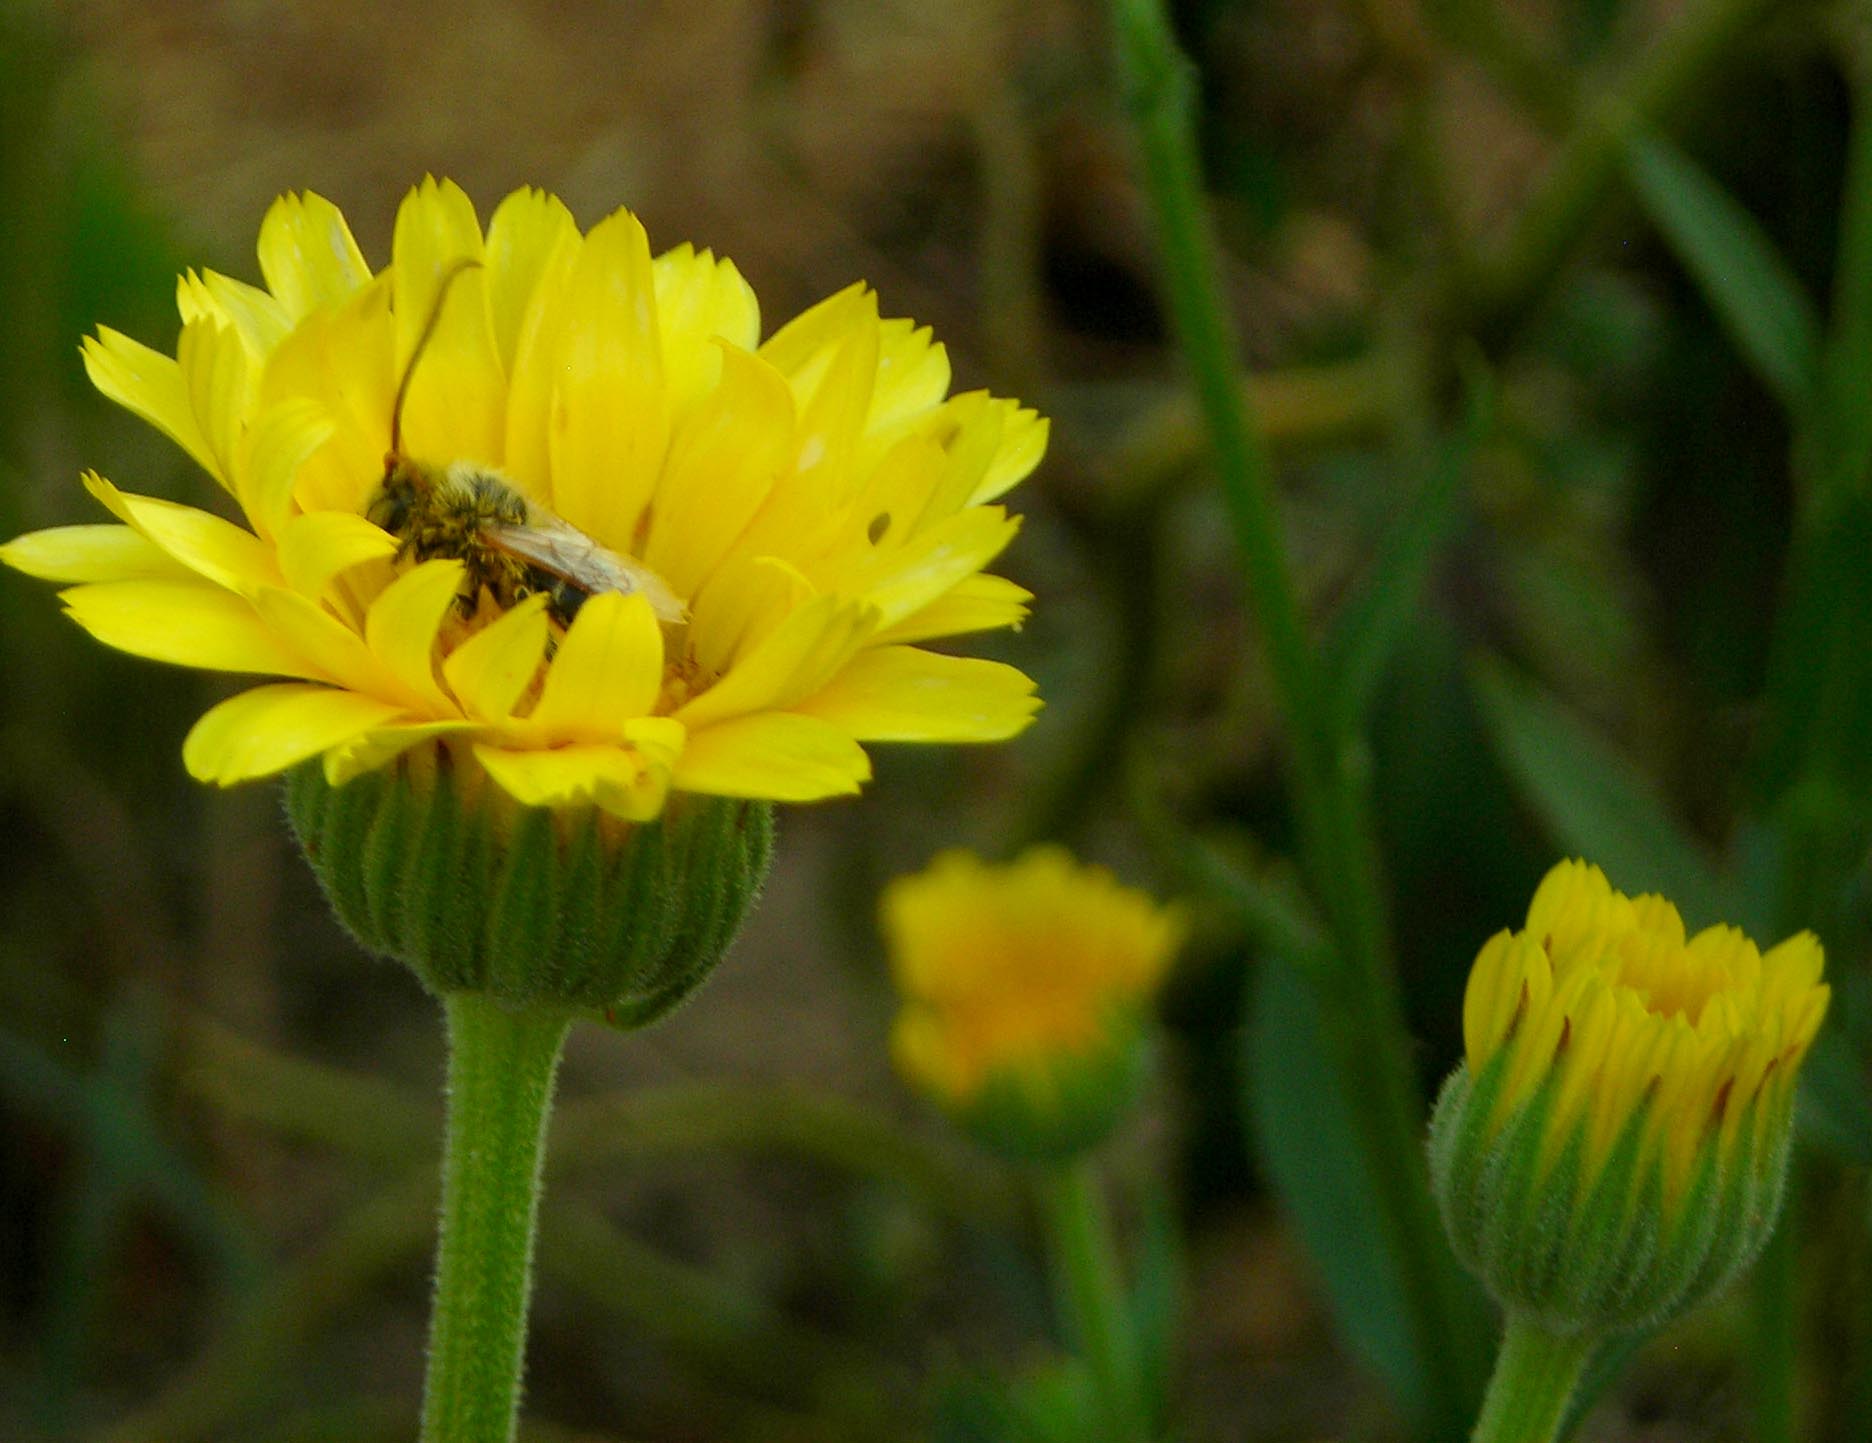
395	500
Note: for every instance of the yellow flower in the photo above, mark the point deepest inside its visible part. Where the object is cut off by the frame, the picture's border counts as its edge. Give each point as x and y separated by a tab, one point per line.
1024	985
787	519
1614	1146
1603	996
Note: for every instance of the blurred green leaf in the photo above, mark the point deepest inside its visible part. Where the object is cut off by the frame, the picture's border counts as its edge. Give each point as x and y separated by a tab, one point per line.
1835	1110
1592	800
1836	453
1053	1403
1744	278
1819	712
1365	634
1308	1143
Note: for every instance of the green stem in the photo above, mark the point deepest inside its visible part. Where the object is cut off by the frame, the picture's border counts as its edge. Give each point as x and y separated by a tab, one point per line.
1535	1375
1366	1018
500	1084
1092	1298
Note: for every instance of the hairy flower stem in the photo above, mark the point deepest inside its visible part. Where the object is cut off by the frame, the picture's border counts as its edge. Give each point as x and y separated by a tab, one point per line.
1090	1286
500	1084
1535	1375
1365	1017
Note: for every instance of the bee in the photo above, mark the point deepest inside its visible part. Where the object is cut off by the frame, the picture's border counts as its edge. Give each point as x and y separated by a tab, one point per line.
509	546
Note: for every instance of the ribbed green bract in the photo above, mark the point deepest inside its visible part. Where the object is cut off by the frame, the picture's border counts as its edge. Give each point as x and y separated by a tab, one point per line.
1574	1250
560	909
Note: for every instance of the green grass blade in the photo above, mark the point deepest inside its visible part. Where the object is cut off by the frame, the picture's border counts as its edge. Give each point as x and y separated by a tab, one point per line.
1840	447
1366	632
1747	283
1308	1143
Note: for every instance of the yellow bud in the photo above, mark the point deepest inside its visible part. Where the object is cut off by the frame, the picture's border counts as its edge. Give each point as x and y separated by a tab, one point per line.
1634	1082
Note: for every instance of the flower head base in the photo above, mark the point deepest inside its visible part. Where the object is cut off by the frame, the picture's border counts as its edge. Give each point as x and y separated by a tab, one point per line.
1026	994
1613	1147
562	910
622	545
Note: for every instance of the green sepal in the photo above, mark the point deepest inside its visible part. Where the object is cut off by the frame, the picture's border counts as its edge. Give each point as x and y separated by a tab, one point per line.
1067	1105
1574	1249
568	909
1612	1239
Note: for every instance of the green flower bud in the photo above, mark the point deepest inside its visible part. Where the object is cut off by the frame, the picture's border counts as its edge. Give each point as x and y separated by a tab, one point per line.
1613	1148
573	909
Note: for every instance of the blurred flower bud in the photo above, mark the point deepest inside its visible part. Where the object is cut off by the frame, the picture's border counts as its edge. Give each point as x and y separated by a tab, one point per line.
1027	992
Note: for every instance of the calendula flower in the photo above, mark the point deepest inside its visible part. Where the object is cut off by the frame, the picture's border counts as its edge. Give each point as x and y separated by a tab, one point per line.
624	545
1026	989
569	575
1614	1145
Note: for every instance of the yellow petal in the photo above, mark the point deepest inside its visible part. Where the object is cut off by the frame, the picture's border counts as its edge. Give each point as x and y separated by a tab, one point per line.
375	748
913	373
722	463
806	341
742	604
795	661
150	385
401	627
188	623
1493	990
491	670
316	547
833	410
283	438
901	694
612	777
903	581
700	300
271	728
220	374
894	502
91	553
333	651
307	254
342	362
833	395
1023	442
774	756
975	603
534	375
608	668
217	550
455	406
528	231
258	318
657	739
610	418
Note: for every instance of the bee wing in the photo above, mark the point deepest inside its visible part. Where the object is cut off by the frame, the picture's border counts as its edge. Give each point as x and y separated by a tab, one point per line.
562	549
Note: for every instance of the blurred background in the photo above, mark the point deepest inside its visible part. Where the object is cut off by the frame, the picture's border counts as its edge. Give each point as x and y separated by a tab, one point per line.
216	1114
